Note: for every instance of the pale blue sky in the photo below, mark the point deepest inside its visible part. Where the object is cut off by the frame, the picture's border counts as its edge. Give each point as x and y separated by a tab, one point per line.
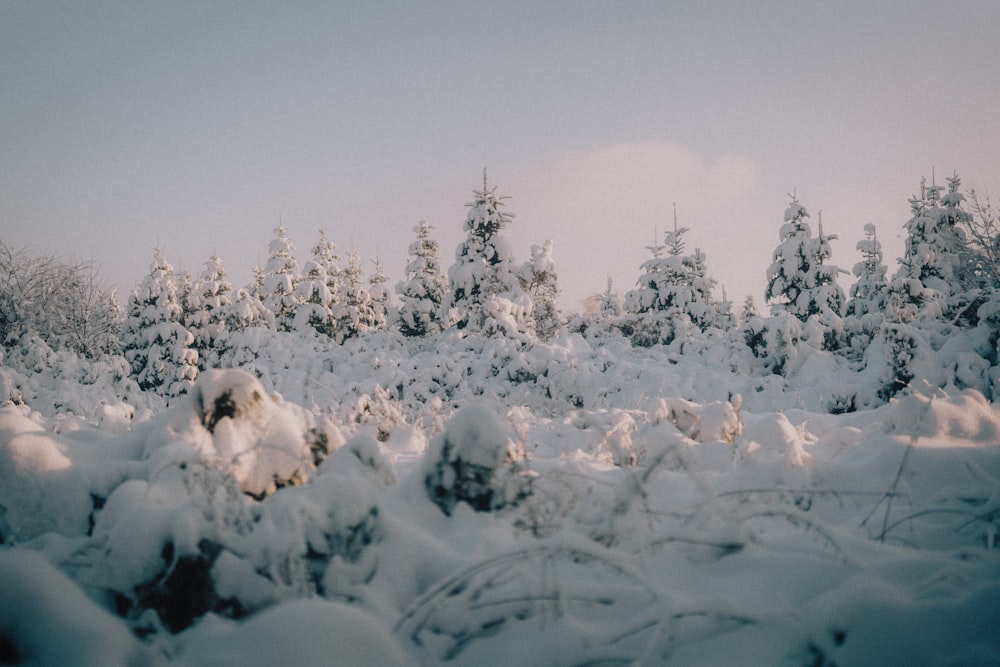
198	125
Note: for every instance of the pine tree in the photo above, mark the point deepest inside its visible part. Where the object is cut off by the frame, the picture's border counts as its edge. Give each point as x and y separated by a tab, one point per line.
212	293
156	344
869	292
677	285
423	294
281	276
353	311
610	306
314	300
725	318
379	295
750	310
938	266
486	293
799	281
325	254
540	282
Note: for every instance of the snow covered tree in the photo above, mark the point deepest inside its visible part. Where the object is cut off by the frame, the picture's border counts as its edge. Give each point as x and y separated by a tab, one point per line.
325	254
246	312
610	303
798	281
982	231
280	278
725	318
423	293
353	311
540	282
750	310
869	292
63	303
155	343
209	297
937	276
379	295
314	300
676	285
486	293
644	299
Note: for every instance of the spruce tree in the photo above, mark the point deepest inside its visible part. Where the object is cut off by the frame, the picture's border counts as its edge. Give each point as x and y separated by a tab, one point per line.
211	295
676	285
610	304
423	293
324	253
353	311
280	278
540	282
799	281
379	294
869	292
938	267
314	300
156	344
486	293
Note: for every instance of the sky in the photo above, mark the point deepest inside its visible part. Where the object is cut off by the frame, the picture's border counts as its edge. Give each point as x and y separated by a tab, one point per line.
202	126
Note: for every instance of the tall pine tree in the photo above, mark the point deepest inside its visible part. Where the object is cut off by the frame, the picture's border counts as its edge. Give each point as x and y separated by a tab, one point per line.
486	293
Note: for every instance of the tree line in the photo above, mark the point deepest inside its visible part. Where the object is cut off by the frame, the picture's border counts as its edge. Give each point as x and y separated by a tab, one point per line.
176	325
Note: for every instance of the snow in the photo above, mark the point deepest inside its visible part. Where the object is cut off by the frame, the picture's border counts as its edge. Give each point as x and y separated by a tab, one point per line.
469	500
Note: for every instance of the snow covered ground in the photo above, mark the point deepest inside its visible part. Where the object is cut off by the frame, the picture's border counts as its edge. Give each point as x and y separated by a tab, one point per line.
476	502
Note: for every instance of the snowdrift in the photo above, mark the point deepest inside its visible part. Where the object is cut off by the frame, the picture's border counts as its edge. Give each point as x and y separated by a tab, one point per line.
475	503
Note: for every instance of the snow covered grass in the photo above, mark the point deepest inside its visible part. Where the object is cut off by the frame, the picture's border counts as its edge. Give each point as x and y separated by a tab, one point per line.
472	501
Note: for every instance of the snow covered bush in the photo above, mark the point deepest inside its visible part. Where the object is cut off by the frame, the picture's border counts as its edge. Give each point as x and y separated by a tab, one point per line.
64	303
476	460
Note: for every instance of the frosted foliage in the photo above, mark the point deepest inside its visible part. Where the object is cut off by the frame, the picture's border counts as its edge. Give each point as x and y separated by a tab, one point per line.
423	293
156	344
799	281
486	292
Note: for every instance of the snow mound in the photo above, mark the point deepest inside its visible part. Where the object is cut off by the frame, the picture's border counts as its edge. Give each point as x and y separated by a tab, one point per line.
46	621
305	632
40	490
959	420
234	425
775	433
